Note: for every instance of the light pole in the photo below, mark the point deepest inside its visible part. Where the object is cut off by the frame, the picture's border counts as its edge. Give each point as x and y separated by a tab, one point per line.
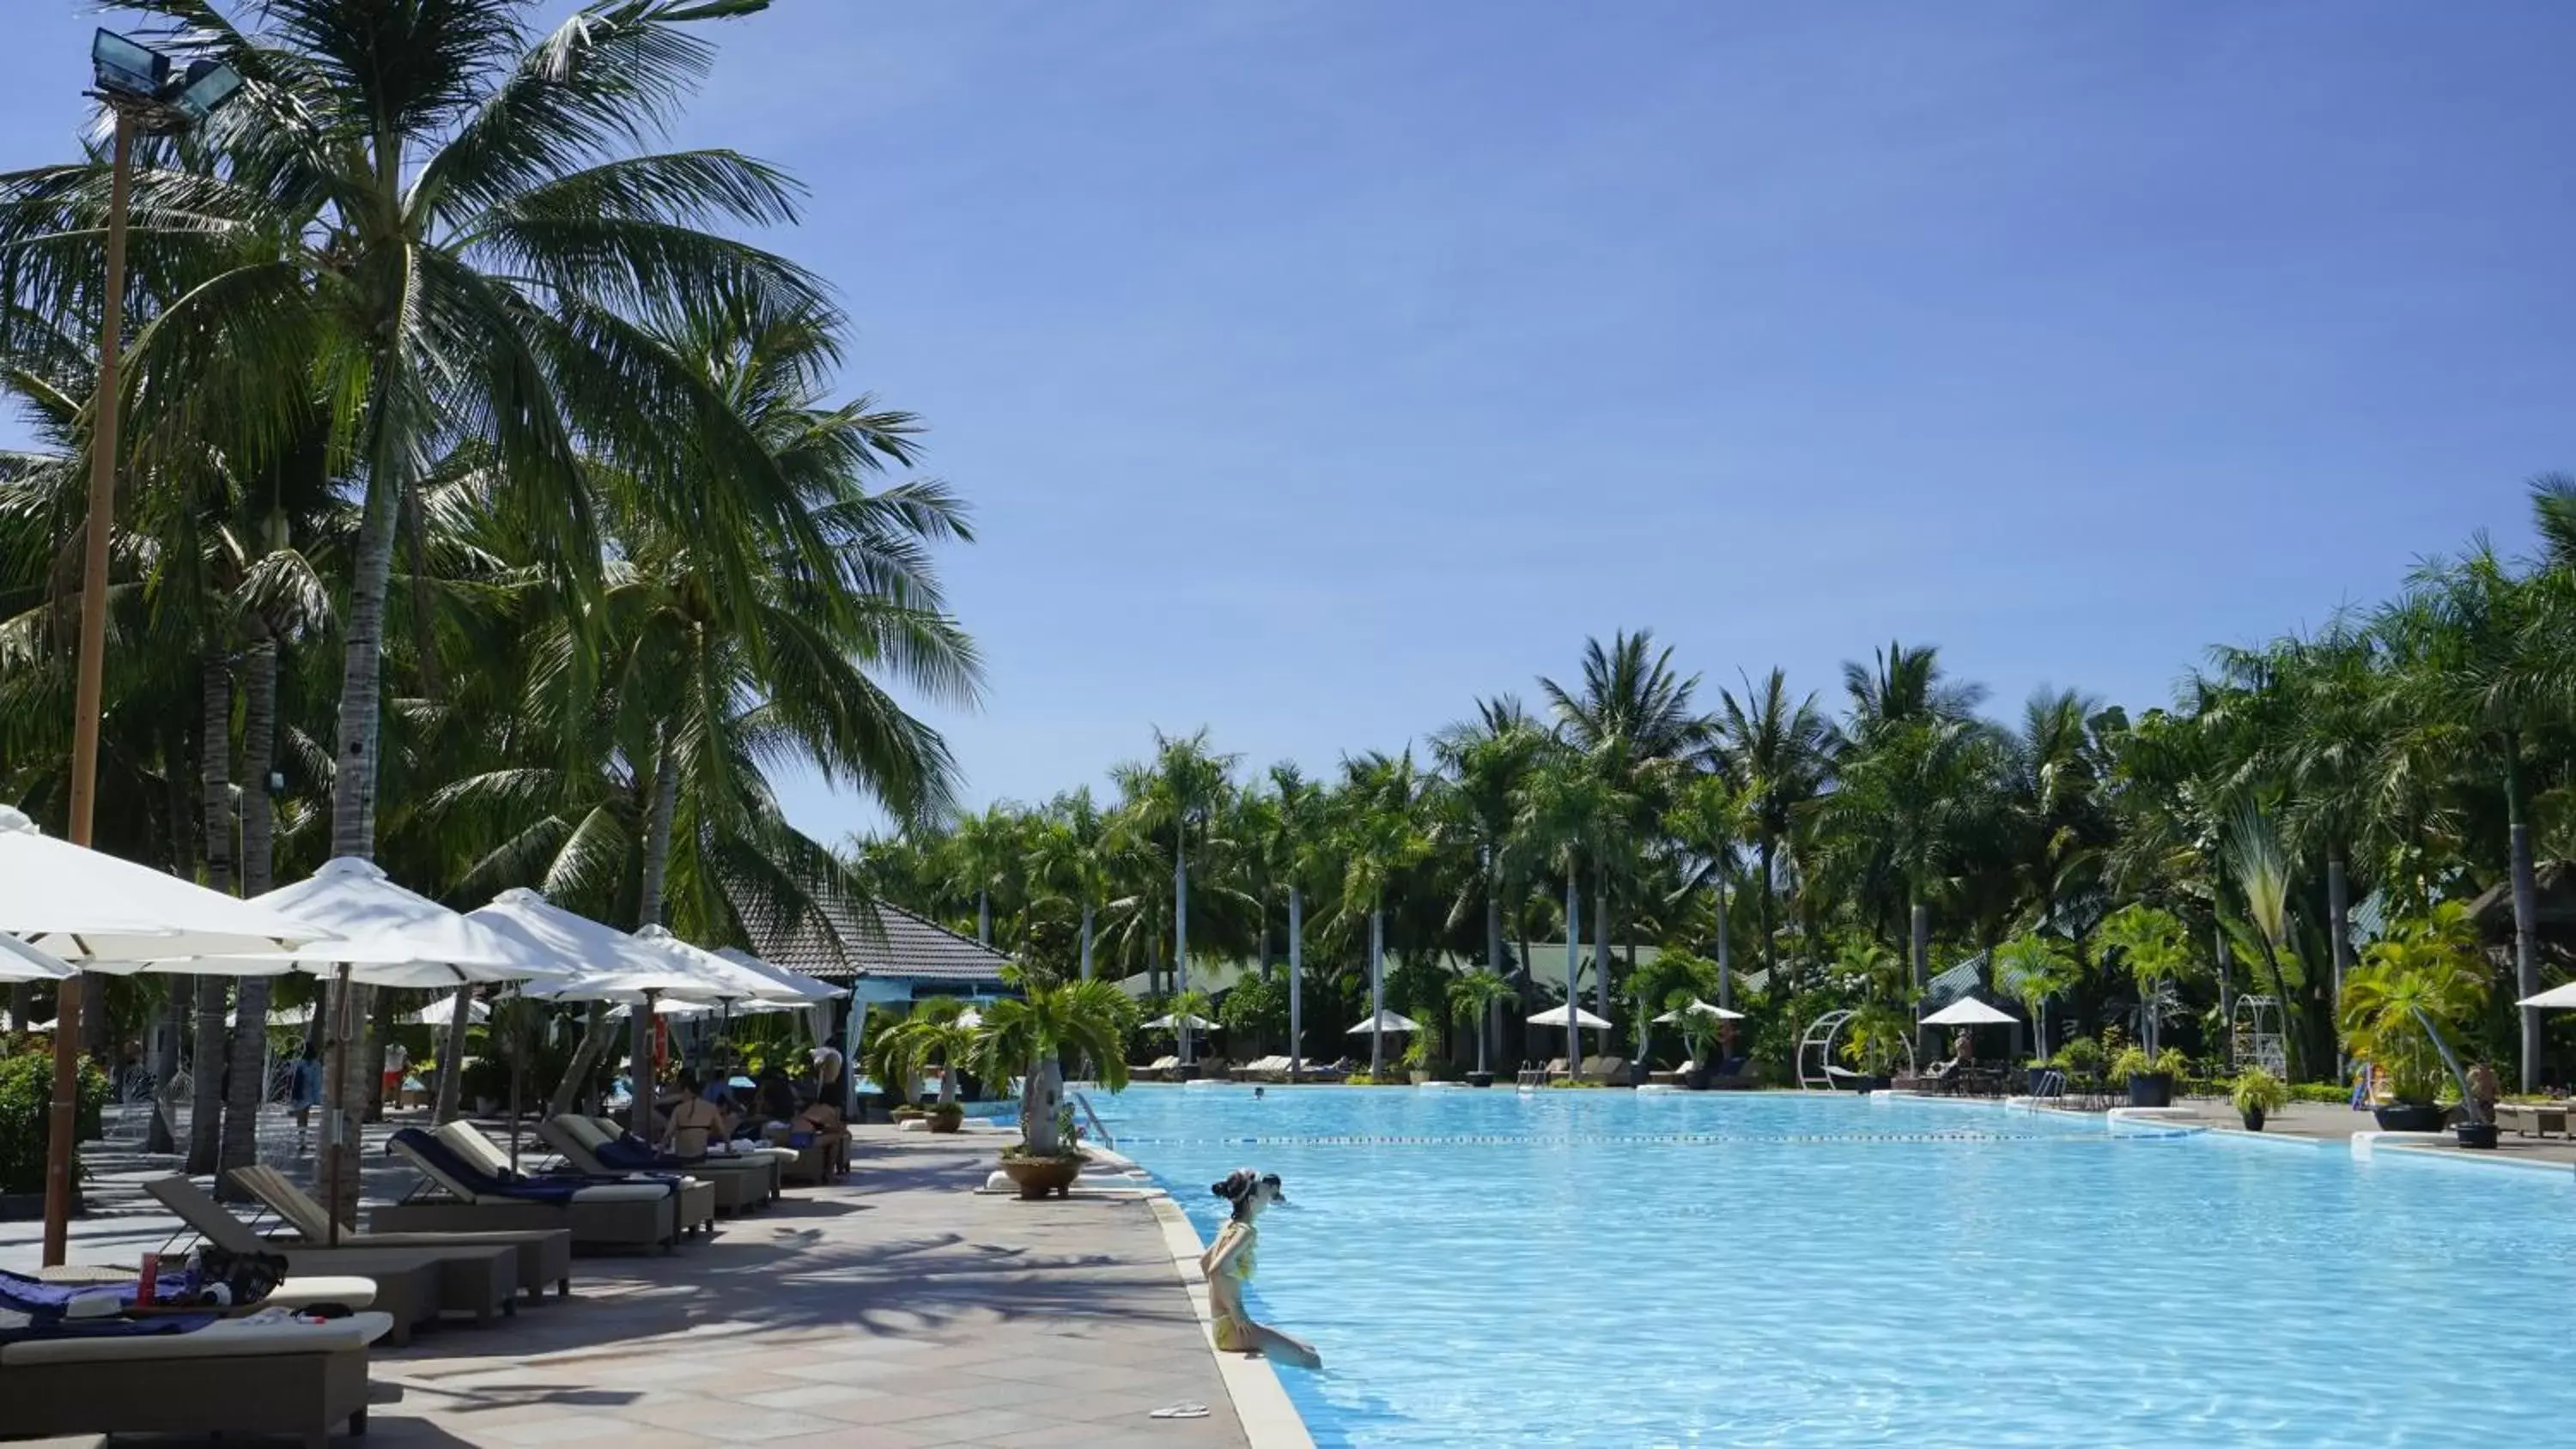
137	83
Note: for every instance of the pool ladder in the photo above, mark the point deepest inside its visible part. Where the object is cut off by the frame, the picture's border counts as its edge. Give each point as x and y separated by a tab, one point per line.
2051	1087
1099	1129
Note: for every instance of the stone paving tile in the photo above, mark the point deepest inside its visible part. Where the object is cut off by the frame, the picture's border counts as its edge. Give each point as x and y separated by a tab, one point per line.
975	1426
813	1396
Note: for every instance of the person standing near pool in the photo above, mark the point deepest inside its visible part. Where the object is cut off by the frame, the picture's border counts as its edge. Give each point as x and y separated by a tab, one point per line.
1228	1265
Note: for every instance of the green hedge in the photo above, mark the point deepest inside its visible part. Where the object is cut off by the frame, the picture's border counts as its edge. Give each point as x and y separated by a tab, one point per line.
26	1098
2320	1092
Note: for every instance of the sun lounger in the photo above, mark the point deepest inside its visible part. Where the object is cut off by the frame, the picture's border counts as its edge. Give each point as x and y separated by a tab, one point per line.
245	1376
1155	1070
2533	1119
460	1195
545	1254
740	1185
482	1281
696	1196
790	1162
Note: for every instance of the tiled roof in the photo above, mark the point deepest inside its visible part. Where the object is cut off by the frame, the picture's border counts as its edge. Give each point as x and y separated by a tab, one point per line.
897	944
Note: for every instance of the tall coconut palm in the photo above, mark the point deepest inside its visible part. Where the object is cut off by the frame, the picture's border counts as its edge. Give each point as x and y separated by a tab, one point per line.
1074	855
1381	834
1179	796
465	243
1708	819
1488	760
1779	750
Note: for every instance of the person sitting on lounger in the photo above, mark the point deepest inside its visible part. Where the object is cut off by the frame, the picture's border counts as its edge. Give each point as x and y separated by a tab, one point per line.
694	1122
1228	1264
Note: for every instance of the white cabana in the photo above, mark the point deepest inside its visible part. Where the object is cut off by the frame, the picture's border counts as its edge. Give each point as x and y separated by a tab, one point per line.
1385	1020
1969	1011
1170	1022
1674	1017
84	906
22	962
1555	1016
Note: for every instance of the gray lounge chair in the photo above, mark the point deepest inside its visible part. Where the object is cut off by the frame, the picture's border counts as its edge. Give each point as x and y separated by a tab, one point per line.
740	1186
458	1195
545	1254
481	1281
230	1377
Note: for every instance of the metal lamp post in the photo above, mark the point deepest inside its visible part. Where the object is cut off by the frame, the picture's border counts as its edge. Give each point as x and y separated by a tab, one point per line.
140	85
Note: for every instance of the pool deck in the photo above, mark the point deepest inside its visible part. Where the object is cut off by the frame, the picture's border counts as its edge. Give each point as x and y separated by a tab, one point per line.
899	1310
2327	1122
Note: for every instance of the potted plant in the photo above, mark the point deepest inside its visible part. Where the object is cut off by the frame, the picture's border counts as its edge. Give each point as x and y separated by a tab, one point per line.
1030	1037
1479	994
1416	1062
2039	967
2256	1094
2150	1078
933	1034
1873	1041
2417	984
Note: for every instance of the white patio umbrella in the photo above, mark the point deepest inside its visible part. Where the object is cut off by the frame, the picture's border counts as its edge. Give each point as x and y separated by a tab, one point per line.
2556	998
598	962
1582	1018
22	962
1387	1019
443	1011
1172	1022
1696	1007
1969	1011
81	905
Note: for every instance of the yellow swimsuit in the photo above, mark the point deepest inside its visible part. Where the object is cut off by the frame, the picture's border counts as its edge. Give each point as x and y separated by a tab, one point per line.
1233	1330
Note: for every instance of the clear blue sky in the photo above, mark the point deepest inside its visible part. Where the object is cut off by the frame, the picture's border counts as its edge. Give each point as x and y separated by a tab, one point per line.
1317	367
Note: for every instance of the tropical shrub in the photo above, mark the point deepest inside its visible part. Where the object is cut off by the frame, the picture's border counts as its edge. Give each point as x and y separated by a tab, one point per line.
2082	1059
1030	1036
2414	989
26	1103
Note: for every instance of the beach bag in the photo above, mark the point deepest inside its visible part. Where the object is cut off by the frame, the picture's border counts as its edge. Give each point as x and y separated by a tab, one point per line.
233	1279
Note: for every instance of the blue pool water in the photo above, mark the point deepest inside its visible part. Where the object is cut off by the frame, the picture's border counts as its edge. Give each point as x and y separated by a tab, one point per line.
1611	1268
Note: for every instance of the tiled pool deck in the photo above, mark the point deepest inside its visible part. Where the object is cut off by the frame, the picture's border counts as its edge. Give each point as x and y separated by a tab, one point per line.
897	1311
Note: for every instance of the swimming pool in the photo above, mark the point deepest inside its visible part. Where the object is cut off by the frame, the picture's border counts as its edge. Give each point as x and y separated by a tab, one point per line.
1613	1268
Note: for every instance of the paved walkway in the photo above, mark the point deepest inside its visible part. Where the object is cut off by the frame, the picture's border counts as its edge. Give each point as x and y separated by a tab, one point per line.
896	1311
2332	1122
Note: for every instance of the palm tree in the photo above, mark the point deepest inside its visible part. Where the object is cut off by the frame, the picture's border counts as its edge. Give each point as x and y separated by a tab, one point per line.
1570	813
1180	795
1632	716
1780	751
985	852
1380	836
1030	1034
931	1035
460	246
1074	855
1478	996
1488	759
2480	659
1296	852
1708	819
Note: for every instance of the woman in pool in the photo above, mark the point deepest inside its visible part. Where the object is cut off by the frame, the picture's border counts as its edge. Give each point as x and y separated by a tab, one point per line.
1228	1263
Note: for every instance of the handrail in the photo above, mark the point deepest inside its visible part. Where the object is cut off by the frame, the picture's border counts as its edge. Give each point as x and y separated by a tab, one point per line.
1099	1128
2052	1084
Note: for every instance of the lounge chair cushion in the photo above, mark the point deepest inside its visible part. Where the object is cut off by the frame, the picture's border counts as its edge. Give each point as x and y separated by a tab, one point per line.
224	1338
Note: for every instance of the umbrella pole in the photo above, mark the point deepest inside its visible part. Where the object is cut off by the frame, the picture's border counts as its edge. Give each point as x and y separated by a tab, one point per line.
336	1112
639	1070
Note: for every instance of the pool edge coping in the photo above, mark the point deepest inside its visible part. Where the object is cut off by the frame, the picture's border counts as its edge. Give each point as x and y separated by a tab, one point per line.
1262	1408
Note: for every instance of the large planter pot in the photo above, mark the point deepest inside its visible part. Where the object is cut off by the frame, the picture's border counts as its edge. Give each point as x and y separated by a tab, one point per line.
947	1119
2150	1089
2253	1118
2031	1078
1038	1177
2409	1117
1189	1073
1418	1078
1696	1078
2476	1134
1480	1079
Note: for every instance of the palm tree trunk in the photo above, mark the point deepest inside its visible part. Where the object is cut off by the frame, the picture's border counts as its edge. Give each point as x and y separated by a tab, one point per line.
451	1055
2226	990
1725	947
657	871
2339	938
1920	924
1573	958
1181	939
1601	947
1377	991
1086	940
983	917
214	790
1770	846
595	1038
1042	1094
248	1089
164	1058
1296	982
2526	915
